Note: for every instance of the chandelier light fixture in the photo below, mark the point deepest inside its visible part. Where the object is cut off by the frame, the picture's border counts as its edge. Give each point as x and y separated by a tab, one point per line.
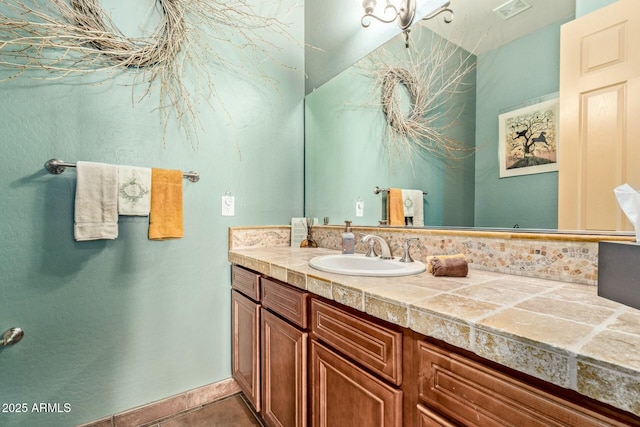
403	12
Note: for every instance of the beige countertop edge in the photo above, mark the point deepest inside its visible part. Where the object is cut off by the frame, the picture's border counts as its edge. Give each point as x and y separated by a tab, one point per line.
561	365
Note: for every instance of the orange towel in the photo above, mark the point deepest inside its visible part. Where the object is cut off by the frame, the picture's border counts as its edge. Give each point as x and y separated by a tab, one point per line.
165	218
395	207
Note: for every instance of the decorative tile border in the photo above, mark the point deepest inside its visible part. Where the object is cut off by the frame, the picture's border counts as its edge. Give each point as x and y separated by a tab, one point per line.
263	236
566	257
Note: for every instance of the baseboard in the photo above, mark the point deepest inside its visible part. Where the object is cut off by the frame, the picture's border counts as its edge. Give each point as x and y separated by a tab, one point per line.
169	406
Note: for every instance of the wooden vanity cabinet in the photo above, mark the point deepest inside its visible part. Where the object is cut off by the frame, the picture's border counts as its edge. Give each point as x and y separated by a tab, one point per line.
245	324
302	359
269	349
284	355
356	368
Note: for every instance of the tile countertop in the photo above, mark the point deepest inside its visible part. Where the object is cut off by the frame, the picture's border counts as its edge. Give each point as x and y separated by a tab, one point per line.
559	332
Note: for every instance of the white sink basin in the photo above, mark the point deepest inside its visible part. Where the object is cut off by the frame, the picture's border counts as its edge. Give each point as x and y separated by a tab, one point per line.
360	265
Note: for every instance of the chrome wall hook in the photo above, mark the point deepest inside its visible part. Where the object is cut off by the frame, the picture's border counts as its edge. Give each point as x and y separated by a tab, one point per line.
11	336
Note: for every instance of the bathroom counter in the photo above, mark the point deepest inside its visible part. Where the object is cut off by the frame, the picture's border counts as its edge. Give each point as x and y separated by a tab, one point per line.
561	333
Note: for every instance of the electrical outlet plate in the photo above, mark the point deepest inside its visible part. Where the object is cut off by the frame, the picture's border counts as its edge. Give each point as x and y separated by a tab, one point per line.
228	206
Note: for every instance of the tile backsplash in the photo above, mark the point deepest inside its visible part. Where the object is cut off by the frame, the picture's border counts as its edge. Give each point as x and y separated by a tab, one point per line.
566	257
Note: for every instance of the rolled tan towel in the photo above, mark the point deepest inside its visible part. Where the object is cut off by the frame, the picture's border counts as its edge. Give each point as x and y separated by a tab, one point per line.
453	266
430	257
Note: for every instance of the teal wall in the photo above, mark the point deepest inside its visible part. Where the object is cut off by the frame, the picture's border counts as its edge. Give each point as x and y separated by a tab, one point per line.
584	7
507	77
110	325
346	156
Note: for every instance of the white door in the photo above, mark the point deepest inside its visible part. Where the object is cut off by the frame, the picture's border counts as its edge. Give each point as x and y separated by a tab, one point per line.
599	138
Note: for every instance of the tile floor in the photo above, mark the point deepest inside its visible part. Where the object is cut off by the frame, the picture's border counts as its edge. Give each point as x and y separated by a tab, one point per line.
233	411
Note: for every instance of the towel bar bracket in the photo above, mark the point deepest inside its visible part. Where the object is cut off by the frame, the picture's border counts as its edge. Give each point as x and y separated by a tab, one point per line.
57	166
192	176
11	336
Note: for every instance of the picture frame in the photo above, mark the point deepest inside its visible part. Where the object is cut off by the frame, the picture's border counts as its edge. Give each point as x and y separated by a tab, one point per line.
528	139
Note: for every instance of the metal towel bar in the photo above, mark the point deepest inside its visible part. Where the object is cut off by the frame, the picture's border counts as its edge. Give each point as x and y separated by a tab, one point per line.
56	166
378	190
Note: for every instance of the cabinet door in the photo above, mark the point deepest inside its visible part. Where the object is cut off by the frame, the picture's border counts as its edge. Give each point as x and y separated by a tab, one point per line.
246	346
344	395
284	373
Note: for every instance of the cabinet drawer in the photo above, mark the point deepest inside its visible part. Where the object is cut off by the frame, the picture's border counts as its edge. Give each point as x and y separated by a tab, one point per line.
476	395
285	300
373	346
246	282
428	418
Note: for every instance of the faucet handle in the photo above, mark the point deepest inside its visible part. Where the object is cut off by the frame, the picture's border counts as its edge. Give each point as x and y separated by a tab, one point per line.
406	257
371	252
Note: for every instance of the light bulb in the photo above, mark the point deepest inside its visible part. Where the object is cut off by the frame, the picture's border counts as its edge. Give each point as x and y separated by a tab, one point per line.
368	6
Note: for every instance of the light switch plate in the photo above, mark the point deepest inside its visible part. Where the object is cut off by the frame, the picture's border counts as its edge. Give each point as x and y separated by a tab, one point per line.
359	208
228	206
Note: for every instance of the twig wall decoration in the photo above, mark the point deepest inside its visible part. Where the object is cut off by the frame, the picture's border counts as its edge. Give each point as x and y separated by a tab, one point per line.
432	79
75	37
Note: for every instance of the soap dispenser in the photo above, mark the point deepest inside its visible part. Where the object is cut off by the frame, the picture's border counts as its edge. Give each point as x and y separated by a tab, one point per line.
348	239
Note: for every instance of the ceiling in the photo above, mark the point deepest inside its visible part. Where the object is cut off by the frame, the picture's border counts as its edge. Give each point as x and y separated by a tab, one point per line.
335	39
478	29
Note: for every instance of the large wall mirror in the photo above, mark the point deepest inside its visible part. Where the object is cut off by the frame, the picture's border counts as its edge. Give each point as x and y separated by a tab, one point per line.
516	65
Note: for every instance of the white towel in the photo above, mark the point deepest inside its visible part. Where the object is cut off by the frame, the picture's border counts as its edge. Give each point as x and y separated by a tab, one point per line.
96	204
134	190
413	206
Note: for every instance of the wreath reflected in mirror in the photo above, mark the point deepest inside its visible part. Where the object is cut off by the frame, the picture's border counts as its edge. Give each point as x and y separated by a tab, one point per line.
61	38
393	82
420	121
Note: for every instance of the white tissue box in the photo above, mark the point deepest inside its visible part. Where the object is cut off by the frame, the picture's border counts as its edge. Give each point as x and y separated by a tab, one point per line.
619	272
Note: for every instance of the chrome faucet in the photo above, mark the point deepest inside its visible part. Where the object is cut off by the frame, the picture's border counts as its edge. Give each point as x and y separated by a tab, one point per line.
385	250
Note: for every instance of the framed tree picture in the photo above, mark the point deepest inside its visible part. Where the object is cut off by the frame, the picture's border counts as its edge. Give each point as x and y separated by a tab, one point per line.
528	139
